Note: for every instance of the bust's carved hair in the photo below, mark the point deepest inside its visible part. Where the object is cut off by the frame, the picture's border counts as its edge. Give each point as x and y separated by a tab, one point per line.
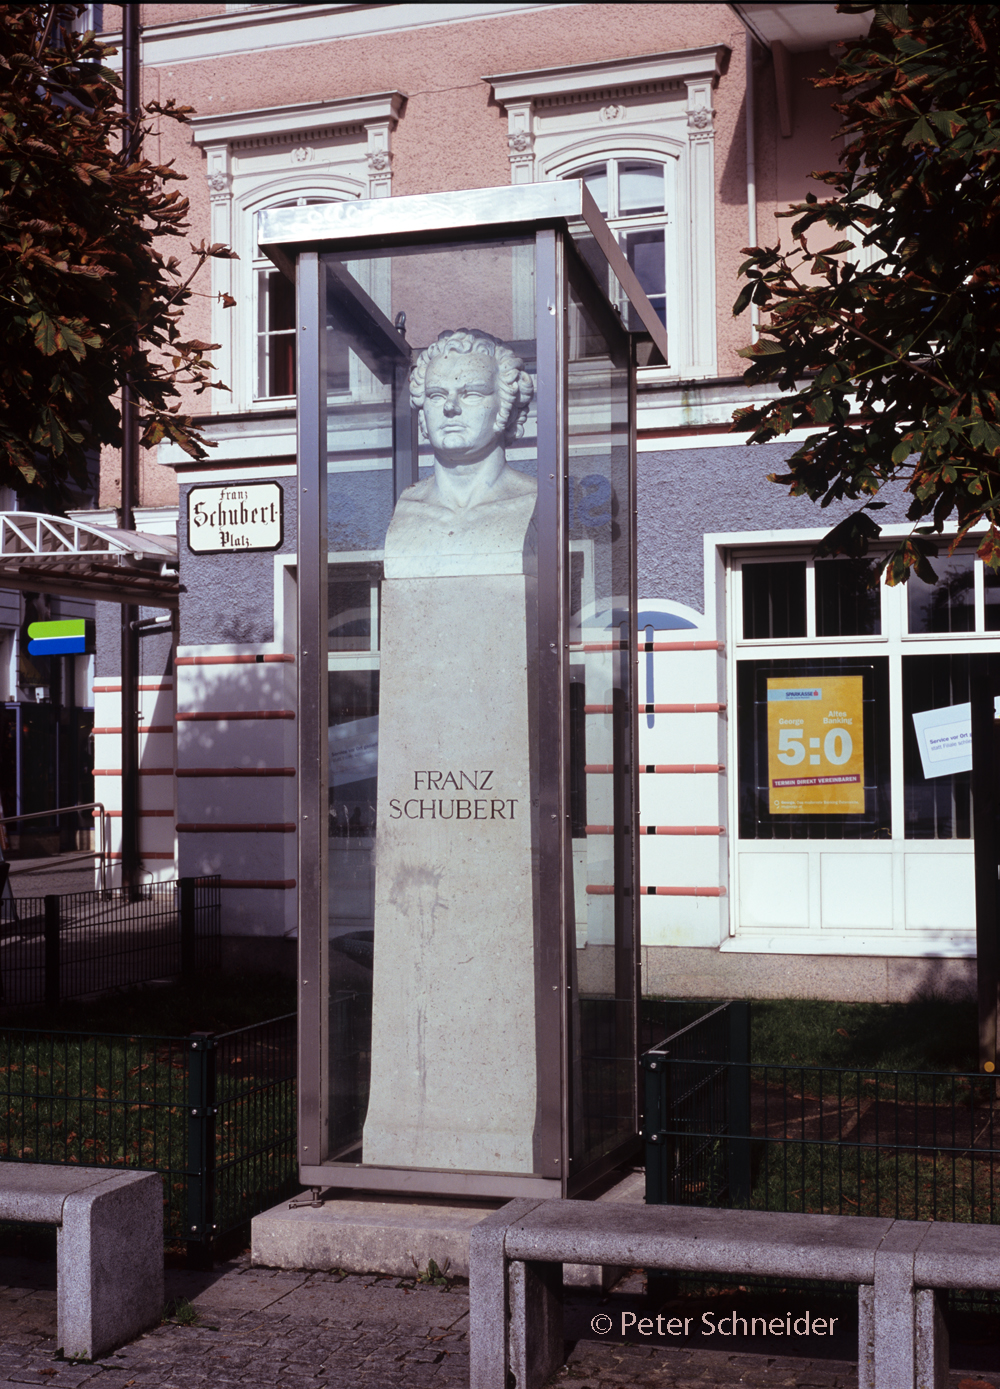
516	385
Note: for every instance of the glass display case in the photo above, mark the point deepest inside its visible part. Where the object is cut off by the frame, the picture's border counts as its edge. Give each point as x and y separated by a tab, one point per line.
468	926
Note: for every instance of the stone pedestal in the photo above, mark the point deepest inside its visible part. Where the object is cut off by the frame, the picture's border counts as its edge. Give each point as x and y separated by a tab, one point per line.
453	1071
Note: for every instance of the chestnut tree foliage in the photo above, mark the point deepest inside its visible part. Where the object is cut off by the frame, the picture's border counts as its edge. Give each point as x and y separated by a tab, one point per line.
87	298
882	324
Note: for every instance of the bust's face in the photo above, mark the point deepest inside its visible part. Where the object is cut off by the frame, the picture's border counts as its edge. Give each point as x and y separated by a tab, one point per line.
462	406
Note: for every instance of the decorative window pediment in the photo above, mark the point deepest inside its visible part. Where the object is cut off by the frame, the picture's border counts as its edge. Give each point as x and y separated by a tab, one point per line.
317	151
640	132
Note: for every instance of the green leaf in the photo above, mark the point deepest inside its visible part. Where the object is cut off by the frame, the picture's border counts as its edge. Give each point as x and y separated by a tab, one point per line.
920	133
47	337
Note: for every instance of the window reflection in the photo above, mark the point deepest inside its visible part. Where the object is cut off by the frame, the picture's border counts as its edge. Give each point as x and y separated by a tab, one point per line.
848	598
948	605
774	600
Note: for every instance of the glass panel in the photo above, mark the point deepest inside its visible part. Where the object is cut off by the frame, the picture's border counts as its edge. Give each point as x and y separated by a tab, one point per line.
847	603
353	609
813	748
948	605
938	798
596	180
600	732
991	595
644	251
640	188
774	600
432	655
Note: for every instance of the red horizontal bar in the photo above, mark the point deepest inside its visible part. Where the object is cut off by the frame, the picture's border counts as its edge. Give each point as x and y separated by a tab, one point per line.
143	728
145	854
659	708
232	714
116	689
595	768
681	829
600	890
236	771
649	646
255	828
233	660
143	771
159	814
682	646
257	882
682	767
660	829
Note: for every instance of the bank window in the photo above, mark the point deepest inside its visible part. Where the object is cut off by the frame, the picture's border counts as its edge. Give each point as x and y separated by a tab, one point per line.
813	748
786	599
950	604
814	751
632	195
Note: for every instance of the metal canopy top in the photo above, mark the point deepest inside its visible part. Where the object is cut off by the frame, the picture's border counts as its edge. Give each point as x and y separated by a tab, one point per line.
514	209
51	554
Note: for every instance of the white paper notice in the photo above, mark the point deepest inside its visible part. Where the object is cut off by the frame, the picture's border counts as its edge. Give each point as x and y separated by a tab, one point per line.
944	737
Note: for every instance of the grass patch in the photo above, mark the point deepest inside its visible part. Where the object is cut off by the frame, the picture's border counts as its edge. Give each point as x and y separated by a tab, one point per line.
927	1034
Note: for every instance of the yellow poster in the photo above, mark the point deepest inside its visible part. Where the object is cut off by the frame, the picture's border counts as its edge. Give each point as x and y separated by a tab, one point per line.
815	745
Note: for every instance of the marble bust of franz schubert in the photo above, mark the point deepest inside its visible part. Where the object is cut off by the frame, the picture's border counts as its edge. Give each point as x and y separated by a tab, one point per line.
474	512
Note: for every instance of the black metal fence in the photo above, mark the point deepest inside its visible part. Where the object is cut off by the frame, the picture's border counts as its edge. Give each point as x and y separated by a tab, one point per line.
215	1115
720	1131
696	1111
59	947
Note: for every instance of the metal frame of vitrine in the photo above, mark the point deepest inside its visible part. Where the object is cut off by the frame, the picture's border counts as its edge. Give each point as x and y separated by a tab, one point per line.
295	239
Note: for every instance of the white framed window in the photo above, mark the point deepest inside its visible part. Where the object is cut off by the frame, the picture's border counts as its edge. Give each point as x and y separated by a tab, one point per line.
640	133
325	151
875	855
635	194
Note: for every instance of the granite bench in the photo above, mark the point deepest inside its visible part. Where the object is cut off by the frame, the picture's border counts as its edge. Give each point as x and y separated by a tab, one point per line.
515	1276
109	1274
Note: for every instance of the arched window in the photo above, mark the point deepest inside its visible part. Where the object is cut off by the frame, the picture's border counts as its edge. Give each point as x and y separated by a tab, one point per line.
324	151
631	193
640	132
274	315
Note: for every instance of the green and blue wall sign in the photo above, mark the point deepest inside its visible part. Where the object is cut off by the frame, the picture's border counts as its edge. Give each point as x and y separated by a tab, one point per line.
69	637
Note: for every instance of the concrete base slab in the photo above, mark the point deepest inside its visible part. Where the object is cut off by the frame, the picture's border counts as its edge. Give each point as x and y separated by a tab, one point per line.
361	1234
395	1235
696	972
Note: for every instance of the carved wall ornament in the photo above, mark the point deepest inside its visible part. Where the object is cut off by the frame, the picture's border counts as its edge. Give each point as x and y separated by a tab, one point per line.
379	161
219	181
302	154
520	142
613	112
701	119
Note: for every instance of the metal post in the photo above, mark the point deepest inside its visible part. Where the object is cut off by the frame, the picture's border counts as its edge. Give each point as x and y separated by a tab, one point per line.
555	921
984	814
186	914
313	765
130	471
52	951
656	1075
200	1231
738	1102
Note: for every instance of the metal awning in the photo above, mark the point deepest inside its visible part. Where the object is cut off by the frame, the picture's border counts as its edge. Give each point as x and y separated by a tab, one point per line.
50	554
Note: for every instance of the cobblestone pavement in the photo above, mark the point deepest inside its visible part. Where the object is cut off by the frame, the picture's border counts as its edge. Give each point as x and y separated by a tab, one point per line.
279	1330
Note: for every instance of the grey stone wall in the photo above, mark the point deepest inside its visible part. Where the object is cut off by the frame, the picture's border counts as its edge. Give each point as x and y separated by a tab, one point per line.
155	652
684	493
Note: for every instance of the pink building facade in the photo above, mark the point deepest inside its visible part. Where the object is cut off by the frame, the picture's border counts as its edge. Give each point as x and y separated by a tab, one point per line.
692	125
